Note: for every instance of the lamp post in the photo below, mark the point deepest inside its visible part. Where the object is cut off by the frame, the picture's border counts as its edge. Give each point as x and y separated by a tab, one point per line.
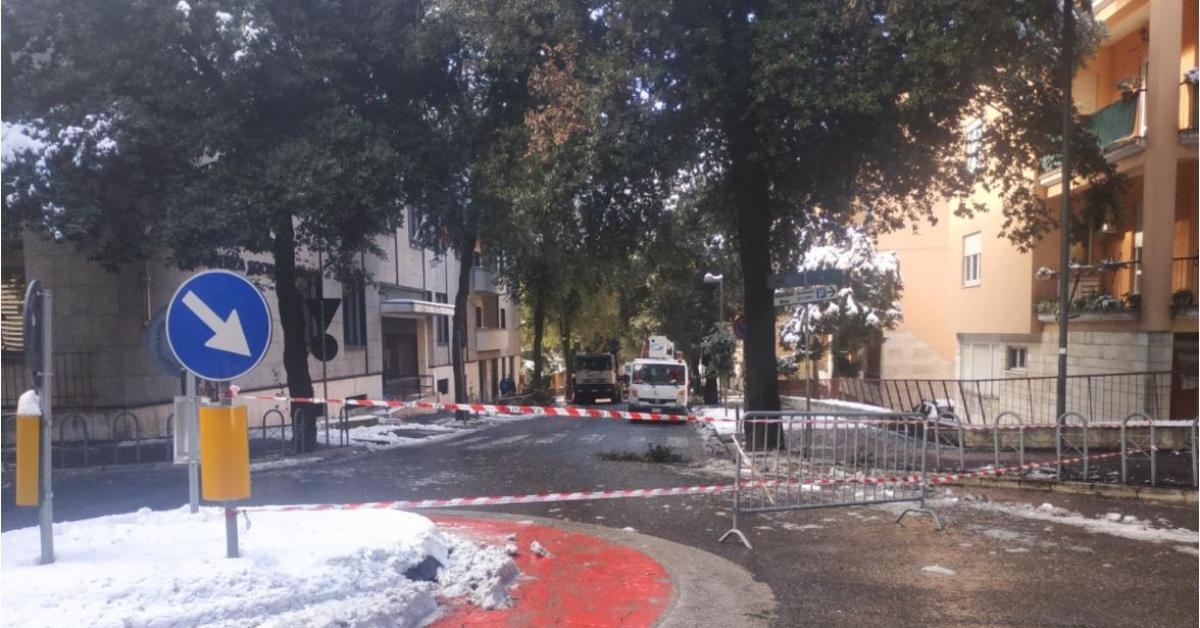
710	279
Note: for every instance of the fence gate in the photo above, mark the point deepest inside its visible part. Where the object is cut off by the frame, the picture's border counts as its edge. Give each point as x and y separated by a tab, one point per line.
799	460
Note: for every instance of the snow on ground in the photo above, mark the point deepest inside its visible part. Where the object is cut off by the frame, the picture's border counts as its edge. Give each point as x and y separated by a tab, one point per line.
1113	523
167	568
392	433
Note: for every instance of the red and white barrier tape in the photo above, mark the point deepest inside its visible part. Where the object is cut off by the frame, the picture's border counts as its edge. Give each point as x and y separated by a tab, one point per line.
575	412
542	498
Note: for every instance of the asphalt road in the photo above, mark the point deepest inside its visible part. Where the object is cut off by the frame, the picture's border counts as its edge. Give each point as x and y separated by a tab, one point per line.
829	567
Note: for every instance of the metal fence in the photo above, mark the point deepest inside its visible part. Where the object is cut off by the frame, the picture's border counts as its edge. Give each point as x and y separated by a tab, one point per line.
796	461
980	401
120	437
73	383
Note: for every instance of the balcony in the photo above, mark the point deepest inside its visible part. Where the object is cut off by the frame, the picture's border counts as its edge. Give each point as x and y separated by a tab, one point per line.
1183	285
491	339
483	281
1114	127
1189	114
1107	290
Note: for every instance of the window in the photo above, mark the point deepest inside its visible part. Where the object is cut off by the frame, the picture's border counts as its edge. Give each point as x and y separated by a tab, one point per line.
414	226
1016	358
354	314
972	259
443	322
503	319
478	316
974	146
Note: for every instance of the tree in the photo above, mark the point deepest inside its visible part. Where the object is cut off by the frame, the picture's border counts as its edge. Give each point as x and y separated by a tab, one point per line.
265	126
850	111
867	305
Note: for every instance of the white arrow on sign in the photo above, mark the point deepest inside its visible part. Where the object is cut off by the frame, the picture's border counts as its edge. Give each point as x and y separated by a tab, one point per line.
227	334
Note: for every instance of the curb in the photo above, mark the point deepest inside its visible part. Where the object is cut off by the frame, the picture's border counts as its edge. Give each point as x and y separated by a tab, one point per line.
1140	493
704	585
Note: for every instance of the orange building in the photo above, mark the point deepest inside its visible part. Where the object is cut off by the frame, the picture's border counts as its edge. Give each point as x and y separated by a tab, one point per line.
975	307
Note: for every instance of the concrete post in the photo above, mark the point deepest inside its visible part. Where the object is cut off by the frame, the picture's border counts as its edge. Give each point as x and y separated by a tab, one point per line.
1160	172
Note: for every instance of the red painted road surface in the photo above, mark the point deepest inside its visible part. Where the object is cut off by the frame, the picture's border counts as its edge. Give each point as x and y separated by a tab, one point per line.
586	581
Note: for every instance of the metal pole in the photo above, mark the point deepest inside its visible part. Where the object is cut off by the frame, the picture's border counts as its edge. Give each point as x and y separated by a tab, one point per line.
231	533
721	298
46	509
807	354
1064	261
191	425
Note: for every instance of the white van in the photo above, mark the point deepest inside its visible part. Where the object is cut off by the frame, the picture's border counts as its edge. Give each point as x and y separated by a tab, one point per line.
659	385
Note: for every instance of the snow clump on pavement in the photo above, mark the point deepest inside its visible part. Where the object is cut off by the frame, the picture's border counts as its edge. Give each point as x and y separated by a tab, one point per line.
168	568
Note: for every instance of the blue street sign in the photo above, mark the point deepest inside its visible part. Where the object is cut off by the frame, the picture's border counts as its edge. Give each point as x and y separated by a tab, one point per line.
218	325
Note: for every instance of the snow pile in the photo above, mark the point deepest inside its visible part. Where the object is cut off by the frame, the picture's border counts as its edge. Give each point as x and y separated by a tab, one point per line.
301	568
1112	523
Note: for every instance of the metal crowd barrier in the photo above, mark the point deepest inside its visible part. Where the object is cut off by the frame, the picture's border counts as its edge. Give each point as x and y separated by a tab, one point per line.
804	460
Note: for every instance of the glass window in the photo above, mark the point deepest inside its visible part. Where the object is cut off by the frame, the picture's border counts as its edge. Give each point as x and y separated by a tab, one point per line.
1016	358
503	319
593	363
443	322
659	374
972	259
414	226
974	146
354	314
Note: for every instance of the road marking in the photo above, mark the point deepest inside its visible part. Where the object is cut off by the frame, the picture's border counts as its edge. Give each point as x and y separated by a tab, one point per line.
549	440
473	439
592	439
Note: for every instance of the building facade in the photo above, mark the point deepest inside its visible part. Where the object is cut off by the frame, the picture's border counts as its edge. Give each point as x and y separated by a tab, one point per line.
389	338
975	307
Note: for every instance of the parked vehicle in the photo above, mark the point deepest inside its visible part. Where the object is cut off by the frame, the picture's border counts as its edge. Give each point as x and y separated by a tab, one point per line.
595	379
659	384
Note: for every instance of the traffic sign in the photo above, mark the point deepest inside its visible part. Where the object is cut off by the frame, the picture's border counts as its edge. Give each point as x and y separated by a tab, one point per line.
32	322
218	325
801	296
800	279
157	345
739	327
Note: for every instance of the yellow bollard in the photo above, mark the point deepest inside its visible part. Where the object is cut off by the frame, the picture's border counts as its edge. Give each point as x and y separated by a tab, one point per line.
224	453
28	459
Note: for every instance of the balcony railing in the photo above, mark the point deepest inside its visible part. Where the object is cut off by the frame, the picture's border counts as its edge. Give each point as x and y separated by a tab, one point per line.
1106	290
1183	284
1191	122
483	280
74	386
1111	125
490	339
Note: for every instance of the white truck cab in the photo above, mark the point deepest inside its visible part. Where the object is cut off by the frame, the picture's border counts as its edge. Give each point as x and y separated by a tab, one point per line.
659	385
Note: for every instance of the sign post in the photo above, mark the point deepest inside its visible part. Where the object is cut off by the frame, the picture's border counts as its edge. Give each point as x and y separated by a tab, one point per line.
218	327
39	357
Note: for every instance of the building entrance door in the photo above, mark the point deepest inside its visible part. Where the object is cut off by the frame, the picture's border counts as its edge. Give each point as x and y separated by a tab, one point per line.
1184	377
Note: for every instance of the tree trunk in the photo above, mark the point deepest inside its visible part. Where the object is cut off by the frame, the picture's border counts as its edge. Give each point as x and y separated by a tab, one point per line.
564	336
295	344
539	332
751	191
466	254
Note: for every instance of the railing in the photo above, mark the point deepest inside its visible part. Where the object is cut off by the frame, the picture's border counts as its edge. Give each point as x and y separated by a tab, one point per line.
409	387
483	280
120	437
980	401
491	339
1110	125
1099	291
73	383
1183	283
1190	123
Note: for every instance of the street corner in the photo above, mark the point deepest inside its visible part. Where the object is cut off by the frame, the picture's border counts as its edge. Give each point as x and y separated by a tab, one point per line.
583	575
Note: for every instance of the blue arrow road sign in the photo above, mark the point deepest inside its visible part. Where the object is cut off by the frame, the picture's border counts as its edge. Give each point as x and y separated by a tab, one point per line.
218	325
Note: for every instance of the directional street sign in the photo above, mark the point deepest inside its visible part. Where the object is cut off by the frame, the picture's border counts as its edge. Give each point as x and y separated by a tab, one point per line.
800	296
807	278
218	325
739	327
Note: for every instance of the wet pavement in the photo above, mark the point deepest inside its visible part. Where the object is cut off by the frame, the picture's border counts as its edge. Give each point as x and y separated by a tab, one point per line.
997	563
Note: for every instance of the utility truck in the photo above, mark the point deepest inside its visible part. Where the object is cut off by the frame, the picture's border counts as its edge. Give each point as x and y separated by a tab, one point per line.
595	379
659	379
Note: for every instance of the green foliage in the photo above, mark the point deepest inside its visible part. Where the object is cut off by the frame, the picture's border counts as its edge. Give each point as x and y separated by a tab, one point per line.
717	352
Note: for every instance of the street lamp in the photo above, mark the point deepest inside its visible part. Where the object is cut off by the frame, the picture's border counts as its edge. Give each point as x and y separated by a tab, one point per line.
710	279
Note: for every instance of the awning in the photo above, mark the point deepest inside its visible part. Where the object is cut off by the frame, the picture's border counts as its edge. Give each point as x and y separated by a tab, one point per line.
415	307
